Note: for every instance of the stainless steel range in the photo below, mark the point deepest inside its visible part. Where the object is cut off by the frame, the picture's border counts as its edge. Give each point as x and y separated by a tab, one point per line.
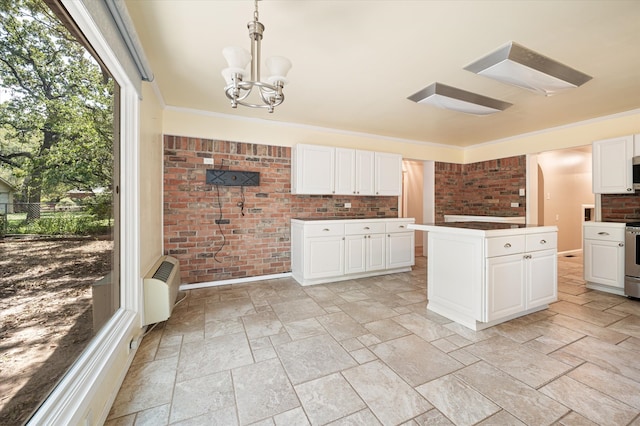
632	260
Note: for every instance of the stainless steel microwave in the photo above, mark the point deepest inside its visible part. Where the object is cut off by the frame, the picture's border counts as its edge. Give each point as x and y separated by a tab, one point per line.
636	172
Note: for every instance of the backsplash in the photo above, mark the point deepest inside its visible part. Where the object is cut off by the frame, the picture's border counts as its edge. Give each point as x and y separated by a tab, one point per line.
485	188
620	207
257	238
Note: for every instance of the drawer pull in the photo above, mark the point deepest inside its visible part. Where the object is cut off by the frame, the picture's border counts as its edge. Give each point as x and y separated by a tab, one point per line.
401	226
543	241
366	227
326	230
603	233
508	245
620	244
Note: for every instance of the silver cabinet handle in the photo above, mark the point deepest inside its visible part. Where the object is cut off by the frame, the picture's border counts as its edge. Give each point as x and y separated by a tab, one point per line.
543	241
527	256
629	189
401	226
603	233
620	244
326	230
366	227
508	245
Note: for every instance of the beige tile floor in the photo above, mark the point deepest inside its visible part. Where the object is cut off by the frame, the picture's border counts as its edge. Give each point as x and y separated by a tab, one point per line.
367	352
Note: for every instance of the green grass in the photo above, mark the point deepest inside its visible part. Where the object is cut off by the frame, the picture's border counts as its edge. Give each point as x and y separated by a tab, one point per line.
55	223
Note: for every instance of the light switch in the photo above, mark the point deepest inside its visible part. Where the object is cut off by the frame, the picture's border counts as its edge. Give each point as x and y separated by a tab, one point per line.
522	192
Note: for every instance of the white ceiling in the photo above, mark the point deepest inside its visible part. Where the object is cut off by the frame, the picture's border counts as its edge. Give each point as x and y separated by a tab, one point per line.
355	61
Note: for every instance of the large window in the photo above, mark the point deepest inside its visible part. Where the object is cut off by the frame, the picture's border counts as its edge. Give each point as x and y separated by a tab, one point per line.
59	190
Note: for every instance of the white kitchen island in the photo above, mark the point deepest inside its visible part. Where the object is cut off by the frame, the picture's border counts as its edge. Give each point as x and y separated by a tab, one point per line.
480	274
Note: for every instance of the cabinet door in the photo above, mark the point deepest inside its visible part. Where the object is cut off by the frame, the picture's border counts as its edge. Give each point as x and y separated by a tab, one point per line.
355	249
612	173
400	250
505	286
345	179
313	170
324	257
388	174
365	172
542	278
604	262
376	248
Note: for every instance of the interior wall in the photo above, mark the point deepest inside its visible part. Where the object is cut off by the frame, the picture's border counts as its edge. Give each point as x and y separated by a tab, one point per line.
256	239
486	188
150	179
567	186
413	194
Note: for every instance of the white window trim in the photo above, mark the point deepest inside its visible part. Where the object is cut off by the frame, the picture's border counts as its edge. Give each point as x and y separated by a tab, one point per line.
87	391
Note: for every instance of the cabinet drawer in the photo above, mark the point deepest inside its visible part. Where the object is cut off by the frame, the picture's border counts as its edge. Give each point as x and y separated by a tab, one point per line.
544	241
606	233
398	226
364	228
324	230
501	246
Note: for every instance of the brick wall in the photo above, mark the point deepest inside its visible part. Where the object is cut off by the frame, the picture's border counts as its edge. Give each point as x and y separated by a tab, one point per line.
257	243
620	207
480	189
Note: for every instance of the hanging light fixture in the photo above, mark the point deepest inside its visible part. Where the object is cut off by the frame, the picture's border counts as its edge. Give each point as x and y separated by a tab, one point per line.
269	94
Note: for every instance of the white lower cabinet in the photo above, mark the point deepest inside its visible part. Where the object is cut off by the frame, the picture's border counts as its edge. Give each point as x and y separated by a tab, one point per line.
334	250
326	256
401	249
603	250
520	282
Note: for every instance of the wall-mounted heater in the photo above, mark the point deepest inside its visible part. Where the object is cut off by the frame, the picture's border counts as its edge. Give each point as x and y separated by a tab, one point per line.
232	178
161	289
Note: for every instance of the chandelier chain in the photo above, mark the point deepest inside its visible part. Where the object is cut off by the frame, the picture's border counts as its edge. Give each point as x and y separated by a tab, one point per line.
255	13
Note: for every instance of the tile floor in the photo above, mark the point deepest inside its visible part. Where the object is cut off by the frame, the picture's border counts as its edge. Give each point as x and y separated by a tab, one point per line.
367	352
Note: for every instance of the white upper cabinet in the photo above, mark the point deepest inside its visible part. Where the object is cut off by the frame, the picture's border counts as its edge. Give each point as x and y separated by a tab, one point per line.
612	169
312	169
388	174
365	172
343	171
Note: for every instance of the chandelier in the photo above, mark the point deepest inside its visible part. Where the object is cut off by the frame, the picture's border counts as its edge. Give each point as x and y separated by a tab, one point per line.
265	94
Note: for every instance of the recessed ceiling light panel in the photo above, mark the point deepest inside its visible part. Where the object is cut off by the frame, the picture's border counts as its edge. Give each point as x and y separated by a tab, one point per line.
515	64
451	98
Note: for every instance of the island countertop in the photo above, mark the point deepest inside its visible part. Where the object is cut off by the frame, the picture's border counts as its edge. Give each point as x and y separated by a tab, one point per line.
486	229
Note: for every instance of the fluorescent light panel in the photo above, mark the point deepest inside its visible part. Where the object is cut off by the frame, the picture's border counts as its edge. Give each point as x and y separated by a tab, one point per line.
515	64
452	98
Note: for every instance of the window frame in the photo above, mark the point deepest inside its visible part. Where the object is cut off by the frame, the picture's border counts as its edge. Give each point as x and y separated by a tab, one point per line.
86	392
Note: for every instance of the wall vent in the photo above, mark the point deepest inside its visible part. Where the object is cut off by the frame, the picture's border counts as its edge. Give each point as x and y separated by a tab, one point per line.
161	289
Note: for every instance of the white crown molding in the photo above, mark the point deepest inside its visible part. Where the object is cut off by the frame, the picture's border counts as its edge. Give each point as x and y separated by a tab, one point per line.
553	129
307	127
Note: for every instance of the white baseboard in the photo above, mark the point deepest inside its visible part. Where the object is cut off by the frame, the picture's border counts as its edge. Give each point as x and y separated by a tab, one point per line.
235	281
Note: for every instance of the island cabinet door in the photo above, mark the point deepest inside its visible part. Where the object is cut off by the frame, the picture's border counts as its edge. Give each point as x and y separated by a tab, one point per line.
542	278
506	286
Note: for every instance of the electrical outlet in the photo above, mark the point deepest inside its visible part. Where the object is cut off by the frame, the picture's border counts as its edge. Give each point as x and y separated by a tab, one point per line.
347	205
222	221
208	160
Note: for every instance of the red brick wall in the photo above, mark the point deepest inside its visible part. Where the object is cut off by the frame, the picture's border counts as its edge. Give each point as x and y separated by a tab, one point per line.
257	243
620	207
480	189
